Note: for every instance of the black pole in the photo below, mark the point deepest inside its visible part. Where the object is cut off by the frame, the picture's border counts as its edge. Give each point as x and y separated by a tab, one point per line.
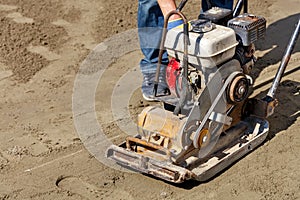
284	61
238	7
245	6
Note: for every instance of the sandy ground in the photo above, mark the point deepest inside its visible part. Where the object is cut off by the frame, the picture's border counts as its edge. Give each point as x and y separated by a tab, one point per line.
42	46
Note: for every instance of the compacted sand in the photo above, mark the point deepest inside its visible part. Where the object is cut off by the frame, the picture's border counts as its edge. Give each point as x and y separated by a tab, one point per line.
42	151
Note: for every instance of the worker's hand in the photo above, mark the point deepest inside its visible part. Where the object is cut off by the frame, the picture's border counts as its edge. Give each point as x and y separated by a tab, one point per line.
174	23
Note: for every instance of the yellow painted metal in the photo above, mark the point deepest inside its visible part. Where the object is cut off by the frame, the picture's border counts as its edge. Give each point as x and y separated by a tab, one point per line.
160	121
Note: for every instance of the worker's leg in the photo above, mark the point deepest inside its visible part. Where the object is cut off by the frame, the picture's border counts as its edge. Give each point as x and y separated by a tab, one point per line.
150	23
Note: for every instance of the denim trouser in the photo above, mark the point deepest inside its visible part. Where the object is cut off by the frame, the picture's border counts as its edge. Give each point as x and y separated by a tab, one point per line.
150	23
217	3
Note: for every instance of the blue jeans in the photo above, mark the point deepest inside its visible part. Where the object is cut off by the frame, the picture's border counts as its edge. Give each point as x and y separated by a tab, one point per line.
217	3
150	23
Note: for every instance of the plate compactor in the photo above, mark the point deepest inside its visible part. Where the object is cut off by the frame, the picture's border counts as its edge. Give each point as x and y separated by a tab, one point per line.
208	121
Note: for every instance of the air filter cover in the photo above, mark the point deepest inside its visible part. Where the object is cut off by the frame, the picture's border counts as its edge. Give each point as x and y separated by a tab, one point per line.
248	27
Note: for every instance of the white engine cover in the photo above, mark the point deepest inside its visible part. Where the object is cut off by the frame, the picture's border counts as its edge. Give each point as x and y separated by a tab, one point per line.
205	50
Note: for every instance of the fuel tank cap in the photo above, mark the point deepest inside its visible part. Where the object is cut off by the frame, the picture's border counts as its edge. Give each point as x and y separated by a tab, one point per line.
201	25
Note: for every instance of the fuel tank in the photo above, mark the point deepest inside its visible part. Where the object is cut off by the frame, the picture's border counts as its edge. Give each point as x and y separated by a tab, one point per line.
206	50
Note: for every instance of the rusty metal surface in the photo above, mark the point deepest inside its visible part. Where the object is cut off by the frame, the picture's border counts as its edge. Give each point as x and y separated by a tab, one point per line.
164	170
260	107
137	141
198	169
